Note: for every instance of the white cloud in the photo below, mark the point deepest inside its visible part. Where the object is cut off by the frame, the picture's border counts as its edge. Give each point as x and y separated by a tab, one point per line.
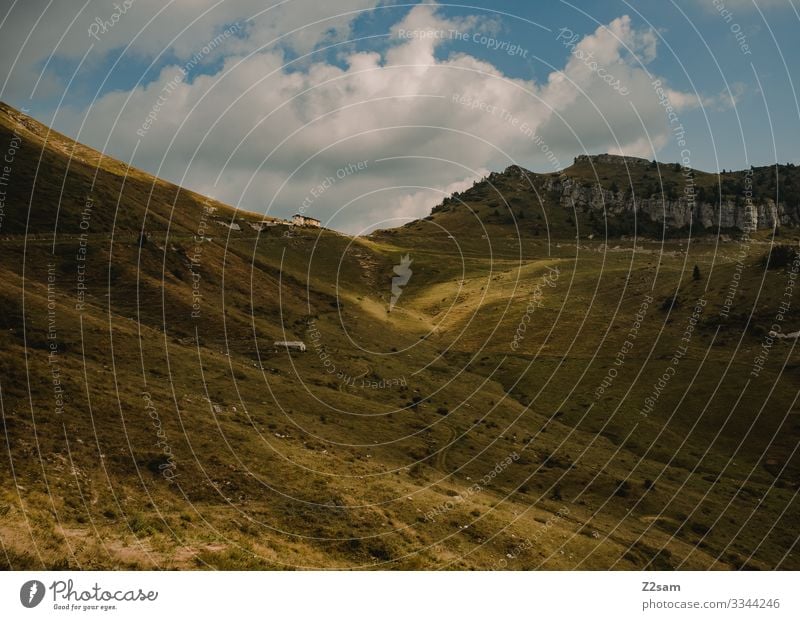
36	29
273	135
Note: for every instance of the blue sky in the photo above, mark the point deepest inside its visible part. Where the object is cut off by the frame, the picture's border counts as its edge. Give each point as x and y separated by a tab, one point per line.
279	96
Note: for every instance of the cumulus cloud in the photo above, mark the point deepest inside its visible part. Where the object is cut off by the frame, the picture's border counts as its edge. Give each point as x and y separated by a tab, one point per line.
37	32
274	138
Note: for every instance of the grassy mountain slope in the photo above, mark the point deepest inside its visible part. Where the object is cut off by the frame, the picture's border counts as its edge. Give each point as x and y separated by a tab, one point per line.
149	422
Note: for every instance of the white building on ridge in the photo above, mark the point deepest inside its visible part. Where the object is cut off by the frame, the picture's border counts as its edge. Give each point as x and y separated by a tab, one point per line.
303	220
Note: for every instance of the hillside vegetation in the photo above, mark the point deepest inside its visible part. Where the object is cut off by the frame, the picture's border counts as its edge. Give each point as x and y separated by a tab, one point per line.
149	421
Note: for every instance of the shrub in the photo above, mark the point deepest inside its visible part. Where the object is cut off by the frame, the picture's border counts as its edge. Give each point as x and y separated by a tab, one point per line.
670	302
779	257
699	529
623	488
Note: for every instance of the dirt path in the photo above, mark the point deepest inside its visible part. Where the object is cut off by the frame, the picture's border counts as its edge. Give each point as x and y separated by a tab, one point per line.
342	385
441	457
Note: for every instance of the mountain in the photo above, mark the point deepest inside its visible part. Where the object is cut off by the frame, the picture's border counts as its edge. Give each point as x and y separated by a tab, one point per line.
467	399
611	195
